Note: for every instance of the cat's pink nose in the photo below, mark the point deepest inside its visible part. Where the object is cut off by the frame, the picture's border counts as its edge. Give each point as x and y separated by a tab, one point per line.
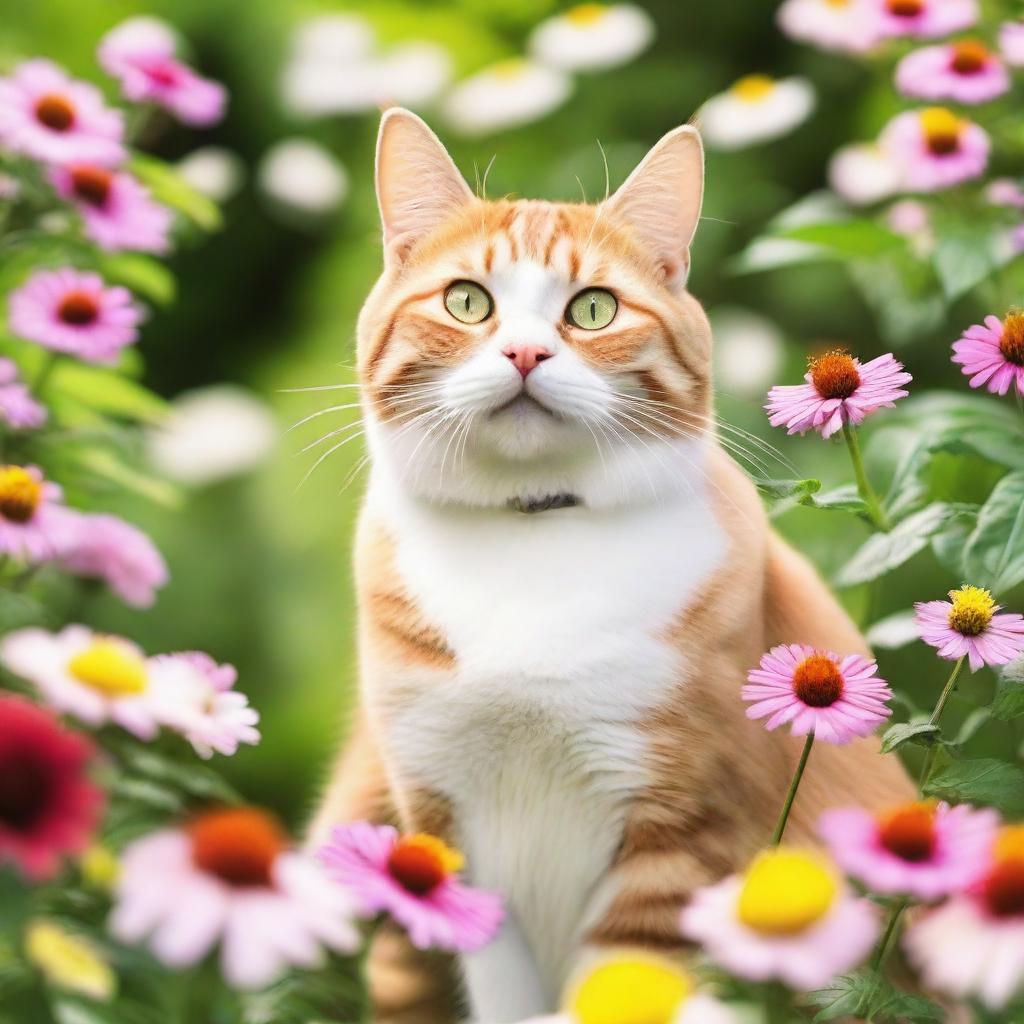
526	357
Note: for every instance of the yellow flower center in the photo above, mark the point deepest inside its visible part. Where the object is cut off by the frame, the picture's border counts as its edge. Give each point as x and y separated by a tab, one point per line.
420	863
786	891
110	667
20	494
1011	341
972	610
630	991
68	962
942	130
509	70
835	374
837	3
99	867
584	15
753	88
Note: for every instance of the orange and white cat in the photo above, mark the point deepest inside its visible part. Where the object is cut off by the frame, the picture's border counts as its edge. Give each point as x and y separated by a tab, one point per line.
563	579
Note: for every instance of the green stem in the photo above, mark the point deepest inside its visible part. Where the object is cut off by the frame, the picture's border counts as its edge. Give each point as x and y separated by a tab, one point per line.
864	488
45	372
780	825
891	927
940	706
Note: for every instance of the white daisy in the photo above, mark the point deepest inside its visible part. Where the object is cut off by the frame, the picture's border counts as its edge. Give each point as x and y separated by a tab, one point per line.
302	175
864	173
589	37
333	38
213	171
749	351
757	108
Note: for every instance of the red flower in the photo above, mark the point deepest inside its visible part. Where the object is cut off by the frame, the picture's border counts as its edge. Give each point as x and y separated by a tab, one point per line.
48	806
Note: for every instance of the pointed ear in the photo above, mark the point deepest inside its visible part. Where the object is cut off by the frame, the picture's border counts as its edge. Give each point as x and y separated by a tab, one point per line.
418	185
661	201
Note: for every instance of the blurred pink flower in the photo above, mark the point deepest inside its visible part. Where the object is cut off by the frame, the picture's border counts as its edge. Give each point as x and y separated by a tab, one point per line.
835	697
412	878
1005	192
33	521
936	148
968	626
926	18
992	354
926	850
118	211
853	26
140	53
46	115
18	409
965	71
1011	42
229	877
73	312
838	389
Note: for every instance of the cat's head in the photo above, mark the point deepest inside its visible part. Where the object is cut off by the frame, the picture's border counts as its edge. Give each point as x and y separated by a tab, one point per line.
515	350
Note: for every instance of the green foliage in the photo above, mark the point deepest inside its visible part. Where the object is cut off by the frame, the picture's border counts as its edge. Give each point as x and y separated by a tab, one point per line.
871	997
984	781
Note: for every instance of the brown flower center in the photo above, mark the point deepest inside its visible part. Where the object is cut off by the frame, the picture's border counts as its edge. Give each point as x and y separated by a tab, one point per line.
969	57
817	681
239	845
905	8
25	784
941	128
79	309
420	863
91	184
835	375
1003	890
1011	342
909	832
20	494
55	111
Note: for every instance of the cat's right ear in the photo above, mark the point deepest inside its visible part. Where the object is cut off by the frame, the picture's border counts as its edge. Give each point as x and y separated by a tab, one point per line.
418	185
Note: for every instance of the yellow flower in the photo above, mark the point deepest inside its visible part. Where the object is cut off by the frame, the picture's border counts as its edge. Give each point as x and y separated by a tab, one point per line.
99	867
68	962
630	990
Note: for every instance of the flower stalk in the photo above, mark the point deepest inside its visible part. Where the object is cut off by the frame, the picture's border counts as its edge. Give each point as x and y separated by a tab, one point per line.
940	705
872	505
780	825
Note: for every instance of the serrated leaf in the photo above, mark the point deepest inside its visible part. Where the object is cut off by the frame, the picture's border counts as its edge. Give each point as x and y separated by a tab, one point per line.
983	781
894	631
920	733
994	555
872	997
1009	699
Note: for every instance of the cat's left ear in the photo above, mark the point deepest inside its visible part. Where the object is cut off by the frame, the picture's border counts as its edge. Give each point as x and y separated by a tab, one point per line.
661	201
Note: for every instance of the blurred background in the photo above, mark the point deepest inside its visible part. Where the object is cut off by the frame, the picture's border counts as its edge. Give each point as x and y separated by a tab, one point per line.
259	552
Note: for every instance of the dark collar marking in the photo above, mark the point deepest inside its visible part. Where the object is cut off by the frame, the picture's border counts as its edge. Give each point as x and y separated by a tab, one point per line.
549	501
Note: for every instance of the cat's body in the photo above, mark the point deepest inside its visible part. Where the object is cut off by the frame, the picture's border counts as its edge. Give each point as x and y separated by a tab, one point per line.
557	692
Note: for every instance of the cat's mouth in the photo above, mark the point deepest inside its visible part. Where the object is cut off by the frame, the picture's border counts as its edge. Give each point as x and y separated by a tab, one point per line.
524	404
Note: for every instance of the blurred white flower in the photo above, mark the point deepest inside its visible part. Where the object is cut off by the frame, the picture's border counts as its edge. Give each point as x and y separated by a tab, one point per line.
846	26
313	88
755	109
301	175
592	36
333	38
212	434
505	95
864	173
748	351
214	171
10	188
412	75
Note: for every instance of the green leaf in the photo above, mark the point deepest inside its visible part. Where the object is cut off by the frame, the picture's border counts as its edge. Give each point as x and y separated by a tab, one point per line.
169	188
894	631
839	499
872	997
108	392
984	781
149	794
850	238
966	255
767	253
919	733
104	463
141	274
1009	699
971	724
994	555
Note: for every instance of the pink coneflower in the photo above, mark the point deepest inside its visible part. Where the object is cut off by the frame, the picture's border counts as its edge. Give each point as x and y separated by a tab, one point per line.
117	211
925	849
789	917
992	354
73	312
140	53
965	71
838	389
836	697
229	876
1011	42
18	409
412	878
108	548
32	519
936	148
973	945
967	626
48	806
49	116
844	26
925	18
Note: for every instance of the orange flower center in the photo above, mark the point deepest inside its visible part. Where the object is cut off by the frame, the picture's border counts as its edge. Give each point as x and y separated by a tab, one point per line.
1011	342
78	309
941	128
56	112
817	681
238	844
835	375
905	8
1003	890
969	57
909	832
420	863
20	494
91	184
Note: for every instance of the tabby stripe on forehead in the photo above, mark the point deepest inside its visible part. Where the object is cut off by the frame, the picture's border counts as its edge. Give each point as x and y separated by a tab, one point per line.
561	227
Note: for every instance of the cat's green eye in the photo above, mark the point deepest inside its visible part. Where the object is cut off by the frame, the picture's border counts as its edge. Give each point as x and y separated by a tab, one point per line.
468	302
592	309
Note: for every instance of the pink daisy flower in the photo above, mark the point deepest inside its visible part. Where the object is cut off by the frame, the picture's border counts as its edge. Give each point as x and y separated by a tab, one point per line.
72	311
107	548
936	148
789	917
1011	42
992	354
229	877
965	71
117	211
925	849
835	697
18	409
847	26
967	626
412	878
48	116
839	389
33	522
973	944
140	53
925	18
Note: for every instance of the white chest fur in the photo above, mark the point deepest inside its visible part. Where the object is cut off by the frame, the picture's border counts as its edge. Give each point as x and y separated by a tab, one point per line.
555	620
